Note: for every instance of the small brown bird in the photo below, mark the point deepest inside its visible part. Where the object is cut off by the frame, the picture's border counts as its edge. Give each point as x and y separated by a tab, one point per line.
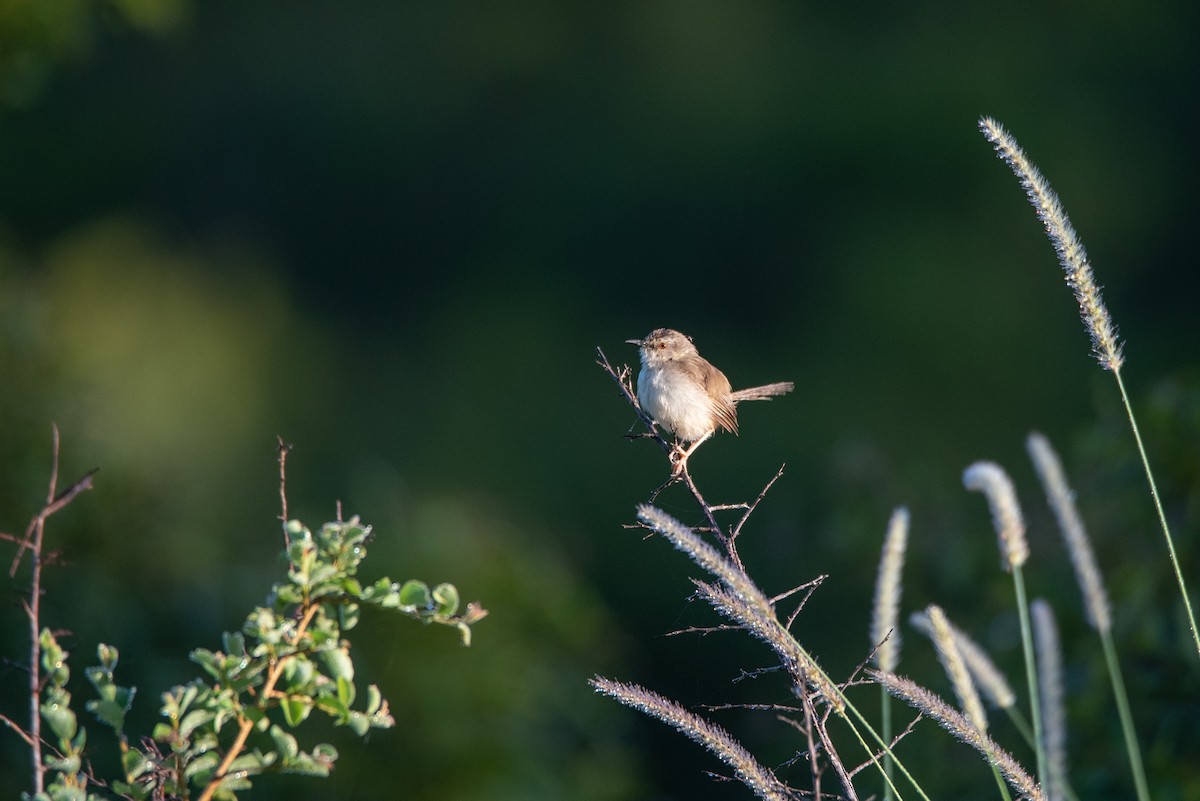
685	394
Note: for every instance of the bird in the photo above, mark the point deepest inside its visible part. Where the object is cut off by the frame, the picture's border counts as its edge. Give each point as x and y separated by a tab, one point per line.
683	392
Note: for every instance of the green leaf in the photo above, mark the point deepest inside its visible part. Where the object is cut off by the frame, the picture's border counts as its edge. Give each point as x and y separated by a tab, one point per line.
257	716
135	764
202	767
68	764
58	715
359	723
109	712
322	573
374	699
108	655
286	594
414	593
446	598
177	700
335	707
138	792
305	765
66	793
285	744
345	690
234	643
207	660
338	663
348	615
295	710
250	764
101	681
298	674
194	720
324	631
54	660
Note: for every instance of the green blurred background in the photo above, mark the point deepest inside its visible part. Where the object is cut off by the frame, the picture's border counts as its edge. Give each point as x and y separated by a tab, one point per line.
395	232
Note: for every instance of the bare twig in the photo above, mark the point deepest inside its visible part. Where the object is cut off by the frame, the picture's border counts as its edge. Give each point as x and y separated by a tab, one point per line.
912	724
737	529
753	707
710	515
830	752
744	674
284	449
809	587
34	537
16	727
624	379
52	506
702	630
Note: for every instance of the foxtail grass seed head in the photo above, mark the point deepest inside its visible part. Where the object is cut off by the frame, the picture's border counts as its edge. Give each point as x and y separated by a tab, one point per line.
957	724
1050	689
990	479
885	633
955	667
743	602
1079	546
1071	255
719	742
706	556
986	675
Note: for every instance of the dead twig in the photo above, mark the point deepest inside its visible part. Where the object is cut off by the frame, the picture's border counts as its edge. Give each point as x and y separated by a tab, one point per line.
284	449
33	542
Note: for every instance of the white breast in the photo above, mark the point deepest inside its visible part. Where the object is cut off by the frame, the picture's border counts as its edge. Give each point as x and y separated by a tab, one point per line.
681	406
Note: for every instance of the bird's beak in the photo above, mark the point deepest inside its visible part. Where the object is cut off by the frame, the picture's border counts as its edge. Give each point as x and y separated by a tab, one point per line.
637	342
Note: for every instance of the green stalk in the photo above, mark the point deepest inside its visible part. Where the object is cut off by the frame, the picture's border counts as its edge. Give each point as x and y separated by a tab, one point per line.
1162	518
1030	671
885	726
1131	743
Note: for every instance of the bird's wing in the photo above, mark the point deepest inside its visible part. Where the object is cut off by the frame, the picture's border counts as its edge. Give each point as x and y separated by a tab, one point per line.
724	409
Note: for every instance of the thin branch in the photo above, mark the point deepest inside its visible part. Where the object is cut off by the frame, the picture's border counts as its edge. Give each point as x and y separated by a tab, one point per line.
751	707
284	449
53	505
744	674
725	540
16	727
912	725
703	630
33	613
624	380
836	761
737	529
810	586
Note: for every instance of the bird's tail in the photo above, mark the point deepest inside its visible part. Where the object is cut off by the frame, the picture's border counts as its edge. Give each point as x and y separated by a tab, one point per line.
764	392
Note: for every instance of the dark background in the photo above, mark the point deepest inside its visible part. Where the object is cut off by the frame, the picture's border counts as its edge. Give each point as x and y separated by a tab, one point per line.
395	233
